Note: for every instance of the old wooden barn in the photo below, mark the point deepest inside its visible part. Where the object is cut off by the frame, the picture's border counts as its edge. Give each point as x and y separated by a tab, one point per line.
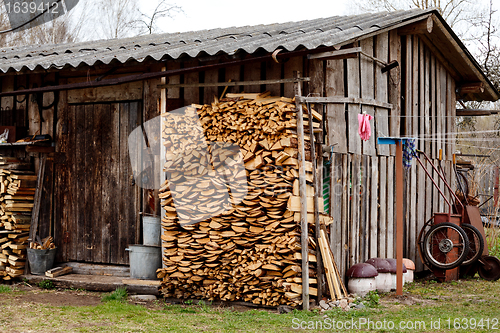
408	69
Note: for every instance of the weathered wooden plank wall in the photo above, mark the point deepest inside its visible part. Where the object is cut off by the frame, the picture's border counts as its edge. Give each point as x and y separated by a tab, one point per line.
362	176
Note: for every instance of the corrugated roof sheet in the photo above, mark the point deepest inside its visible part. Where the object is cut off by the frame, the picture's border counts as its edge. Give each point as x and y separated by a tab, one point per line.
289	36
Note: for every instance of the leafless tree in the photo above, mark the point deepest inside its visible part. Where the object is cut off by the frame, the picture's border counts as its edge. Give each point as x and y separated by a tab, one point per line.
149	20
115	18
453	11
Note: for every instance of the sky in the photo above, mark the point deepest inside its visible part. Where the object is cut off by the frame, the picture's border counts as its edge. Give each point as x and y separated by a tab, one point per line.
209	14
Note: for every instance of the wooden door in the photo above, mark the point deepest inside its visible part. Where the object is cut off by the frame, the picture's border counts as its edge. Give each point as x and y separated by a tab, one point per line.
98	202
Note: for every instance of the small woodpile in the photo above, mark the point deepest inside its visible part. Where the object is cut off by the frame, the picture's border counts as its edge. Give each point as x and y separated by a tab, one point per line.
17	189
44	244
231	230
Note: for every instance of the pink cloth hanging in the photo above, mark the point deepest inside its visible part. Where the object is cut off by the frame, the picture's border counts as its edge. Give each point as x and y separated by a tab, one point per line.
365	130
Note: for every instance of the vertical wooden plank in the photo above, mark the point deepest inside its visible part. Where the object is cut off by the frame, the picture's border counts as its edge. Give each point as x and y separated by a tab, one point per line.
420	144
233	73
87	182
374	202
382	201
294	64
109	189
114	179
173	92
382	92
440	125
391	218
346	243
408	93
443	78
336	207
423	123
412	227
367	91
395	85
209	93
355	204
364	206
414	133
123	219
33	115
415	120
429	194
99	232
61	185
316	87
335	113
452	113
135	229
151	110
433	110
252	72
304	237
353	90
192	94
273	72
75	234
421	203
427	101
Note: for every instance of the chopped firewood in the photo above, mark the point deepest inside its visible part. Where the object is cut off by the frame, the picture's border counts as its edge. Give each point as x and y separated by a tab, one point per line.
58	271
47	243
229	231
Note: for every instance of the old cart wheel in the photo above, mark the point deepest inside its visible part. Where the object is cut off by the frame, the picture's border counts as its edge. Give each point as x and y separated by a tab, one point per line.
476	243
489	268
445	245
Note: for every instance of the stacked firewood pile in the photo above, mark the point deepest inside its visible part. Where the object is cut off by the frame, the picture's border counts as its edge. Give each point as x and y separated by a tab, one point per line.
231	228
17	189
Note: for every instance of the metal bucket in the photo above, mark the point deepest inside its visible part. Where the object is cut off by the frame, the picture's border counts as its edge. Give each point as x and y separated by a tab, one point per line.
41	260
151	230
144	261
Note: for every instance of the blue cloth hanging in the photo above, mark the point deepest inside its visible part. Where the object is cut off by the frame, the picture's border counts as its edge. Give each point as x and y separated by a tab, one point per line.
408	152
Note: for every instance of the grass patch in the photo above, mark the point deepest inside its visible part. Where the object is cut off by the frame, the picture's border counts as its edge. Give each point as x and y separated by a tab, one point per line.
5	289
423	304
493	241
372	299
119	295
46	284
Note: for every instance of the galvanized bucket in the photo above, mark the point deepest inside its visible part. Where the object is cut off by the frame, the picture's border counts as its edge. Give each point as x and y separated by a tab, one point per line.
41	260
151	230
144	261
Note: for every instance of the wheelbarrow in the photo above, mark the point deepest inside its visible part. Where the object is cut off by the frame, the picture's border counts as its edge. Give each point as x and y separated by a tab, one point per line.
455	238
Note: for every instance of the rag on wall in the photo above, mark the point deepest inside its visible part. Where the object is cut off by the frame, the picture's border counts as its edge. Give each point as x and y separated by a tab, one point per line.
364	130
408	152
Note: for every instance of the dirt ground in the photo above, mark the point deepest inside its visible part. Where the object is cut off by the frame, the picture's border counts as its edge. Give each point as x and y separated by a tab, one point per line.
55	297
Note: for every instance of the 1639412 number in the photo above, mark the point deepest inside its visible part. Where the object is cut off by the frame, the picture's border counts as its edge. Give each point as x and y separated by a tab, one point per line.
31	7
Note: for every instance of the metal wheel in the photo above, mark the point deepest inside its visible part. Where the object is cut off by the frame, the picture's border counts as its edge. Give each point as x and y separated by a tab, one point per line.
476	243
463	184
489	268
420	241
445	245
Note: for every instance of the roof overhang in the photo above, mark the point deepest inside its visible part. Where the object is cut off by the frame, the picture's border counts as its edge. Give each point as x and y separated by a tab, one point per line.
472	83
